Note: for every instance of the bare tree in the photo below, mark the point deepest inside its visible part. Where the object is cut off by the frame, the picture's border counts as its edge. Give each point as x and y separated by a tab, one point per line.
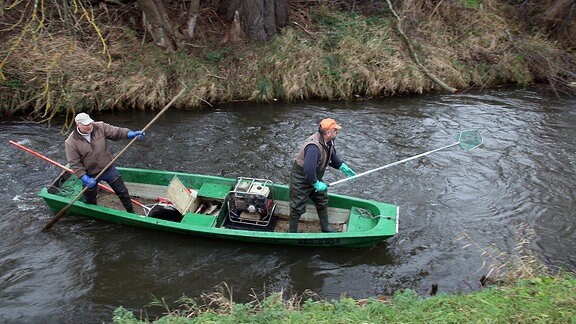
560	21
256	20
193	13
260	20
158	24
163	29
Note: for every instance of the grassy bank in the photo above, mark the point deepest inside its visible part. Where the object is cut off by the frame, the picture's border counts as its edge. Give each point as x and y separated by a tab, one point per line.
516	289
543	299
91	59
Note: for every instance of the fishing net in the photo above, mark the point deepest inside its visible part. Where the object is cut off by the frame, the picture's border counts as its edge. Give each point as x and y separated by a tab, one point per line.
469	140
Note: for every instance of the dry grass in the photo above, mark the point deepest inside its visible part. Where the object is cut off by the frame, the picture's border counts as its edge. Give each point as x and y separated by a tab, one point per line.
100	61
508	268
221	302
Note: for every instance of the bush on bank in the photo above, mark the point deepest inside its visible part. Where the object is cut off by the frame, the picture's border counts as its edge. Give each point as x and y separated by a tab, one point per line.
544	299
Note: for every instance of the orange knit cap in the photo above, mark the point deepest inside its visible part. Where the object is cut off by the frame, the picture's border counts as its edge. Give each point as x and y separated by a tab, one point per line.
328	124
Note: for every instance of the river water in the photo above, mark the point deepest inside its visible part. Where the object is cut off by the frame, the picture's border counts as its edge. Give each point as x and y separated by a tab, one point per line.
517	187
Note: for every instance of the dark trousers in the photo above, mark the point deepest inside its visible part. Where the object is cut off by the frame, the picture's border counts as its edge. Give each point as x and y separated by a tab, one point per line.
114	179
301	191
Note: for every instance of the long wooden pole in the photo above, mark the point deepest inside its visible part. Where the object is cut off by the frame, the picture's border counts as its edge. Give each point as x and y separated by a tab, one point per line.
63	210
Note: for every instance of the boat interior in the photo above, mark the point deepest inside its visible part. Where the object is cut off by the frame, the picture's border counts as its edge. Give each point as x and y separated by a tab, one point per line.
248	204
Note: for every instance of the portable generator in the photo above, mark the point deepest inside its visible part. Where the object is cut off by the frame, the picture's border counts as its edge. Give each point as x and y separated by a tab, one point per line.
251	201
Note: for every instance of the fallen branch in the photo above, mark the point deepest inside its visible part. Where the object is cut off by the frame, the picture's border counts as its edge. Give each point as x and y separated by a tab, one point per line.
209	104
424	70
304	29
559	76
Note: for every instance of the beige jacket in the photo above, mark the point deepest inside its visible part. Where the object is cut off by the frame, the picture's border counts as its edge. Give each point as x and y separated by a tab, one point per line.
91	158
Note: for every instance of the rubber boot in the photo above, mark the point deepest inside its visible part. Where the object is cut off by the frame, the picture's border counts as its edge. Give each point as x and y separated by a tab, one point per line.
324	224
122	192
294	223
129	208
91	195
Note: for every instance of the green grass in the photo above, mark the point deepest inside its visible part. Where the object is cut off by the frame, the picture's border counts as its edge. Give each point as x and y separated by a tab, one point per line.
544	299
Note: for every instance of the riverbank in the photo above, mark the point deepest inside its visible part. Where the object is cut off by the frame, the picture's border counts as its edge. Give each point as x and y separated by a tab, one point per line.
518	288
97	59
543	299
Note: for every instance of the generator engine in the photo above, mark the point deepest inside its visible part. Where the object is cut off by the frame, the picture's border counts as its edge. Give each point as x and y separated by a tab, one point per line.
250	200
254	204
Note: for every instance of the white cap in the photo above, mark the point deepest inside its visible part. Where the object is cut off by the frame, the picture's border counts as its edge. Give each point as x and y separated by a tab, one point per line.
83	119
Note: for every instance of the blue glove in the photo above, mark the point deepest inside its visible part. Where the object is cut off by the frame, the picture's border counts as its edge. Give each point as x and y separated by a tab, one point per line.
320	186
139	134
349	172
88	181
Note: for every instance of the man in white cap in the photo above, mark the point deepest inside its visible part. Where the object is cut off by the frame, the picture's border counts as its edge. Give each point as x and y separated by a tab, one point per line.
88	154
314	156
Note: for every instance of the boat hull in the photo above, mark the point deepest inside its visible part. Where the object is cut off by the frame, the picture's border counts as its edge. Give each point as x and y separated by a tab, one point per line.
363	222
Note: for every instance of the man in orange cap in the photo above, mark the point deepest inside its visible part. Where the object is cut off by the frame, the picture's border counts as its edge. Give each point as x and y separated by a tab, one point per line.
314	156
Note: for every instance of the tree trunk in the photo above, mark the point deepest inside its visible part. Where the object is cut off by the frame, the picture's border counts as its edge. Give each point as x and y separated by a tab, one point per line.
158	23
260	19
193	12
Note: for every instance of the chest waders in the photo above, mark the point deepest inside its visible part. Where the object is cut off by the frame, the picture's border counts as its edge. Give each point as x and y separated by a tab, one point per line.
300	192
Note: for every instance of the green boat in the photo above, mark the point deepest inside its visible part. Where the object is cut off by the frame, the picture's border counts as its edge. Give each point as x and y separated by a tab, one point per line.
242	209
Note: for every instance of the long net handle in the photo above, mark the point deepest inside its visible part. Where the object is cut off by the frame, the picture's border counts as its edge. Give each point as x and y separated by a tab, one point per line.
392	164
468	140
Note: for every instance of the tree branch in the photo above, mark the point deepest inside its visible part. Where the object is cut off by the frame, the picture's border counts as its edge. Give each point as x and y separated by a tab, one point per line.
424	70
